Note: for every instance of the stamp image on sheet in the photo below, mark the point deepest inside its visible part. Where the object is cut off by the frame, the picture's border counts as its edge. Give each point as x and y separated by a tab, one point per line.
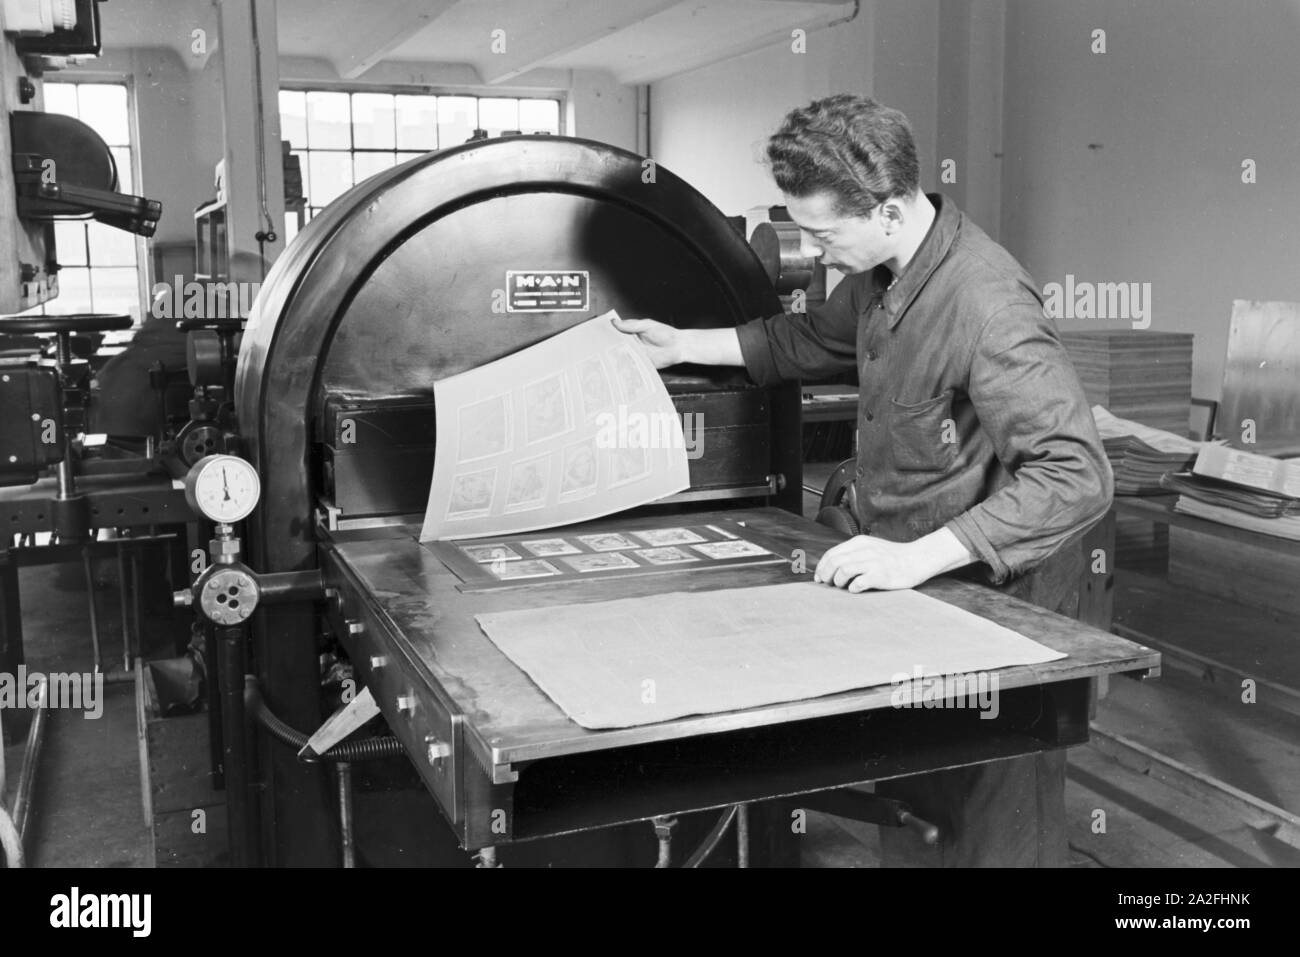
546	409
668	555
579	472
631	381
550	546
471	494
599	563
491	553
532	568
668	536
529	481
484	429
597	396
627	465
606	542
736	549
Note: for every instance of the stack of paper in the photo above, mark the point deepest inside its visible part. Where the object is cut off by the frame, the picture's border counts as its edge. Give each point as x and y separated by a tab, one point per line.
1140	455
1255	492
1136	373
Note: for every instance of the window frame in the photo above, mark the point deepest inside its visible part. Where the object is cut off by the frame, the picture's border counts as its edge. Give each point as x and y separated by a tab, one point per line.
559	97
143	266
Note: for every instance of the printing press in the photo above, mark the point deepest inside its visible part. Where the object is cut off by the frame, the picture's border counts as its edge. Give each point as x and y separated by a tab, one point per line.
401	283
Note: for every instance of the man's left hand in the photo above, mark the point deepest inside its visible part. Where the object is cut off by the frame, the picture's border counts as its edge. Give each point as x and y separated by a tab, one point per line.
864	563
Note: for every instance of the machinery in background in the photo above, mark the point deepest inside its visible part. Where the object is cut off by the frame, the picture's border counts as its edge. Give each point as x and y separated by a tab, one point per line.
61	499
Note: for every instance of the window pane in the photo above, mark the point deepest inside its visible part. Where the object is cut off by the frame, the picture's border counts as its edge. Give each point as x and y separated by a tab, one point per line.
109	246
331	176
61	98
74	292
122	158
497	114
70	242
372	121
457	118
103	108
115	290
403	157
539	115
293	117
368	164
328	121
417	121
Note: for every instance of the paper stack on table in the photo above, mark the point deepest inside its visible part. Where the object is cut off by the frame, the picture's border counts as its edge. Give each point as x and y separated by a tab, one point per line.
568	430
1139	454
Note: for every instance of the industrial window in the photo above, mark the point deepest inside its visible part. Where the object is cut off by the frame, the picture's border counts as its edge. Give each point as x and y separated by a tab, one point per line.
343	138
100	265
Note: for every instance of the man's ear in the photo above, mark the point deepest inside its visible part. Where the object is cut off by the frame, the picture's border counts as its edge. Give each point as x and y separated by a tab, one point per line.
891	215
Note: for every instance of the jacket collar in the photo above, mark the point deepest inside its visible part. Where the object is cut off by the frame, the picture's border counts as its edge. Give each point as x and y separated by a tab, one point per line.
932	251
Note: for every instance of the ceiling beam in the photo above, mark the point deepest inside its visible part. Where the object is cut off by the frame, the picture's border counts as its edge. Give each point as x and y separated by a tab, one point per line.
559	28
692	57
379	34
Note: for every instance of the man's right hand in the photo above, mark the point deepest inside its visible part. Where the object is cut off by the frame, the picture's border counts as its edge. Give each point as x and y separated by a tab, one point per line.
669	346
663	343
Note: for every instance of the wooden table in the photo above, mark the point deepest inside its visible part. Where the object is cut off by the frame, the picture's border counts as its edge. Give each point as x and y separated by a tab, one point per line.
486	741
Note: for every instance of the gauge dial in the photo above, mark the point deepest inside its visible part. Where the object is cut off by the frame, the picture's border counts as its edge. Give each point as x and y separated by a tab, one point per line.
224	488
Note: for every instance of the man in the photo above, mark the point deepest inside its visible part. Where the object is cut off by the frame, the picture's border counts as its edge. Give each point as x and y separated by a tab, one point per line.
976	447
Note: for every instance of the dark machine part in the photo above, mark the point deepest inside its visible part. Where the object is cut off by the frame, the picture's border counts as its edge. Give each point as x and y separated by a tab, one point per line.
63	169
777	246
83	494
84	39
29	438
401	282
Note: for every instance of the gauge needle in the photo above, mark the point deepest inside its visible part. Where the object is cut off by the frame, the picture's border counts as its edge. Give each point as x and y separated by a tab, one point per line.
225	486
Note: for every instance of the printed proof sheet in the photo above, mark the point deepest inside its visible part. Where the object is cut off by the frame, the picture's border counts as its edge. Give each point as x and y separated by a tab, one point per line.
565	431
636	661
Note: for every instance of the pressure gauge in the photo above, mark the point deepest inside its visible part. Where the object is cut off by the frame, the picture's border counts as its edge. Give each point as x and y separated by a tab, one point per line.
224	488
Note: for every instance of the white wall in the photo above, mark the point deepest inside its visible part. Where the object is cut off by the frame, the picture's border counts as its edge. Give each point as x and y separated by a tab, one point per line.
709	126
1186	91
939	61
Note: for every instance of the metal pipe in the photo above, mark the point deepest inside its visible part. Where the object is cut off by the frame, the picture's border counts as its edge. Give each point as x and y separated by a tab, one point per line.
305	585
31	759
742	835
94	613
343	776
124	591
235	751
131	639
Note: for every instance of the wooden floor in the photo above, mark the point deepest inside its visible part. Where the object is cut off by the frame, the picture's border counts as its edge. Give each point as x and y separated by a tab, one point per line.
89	805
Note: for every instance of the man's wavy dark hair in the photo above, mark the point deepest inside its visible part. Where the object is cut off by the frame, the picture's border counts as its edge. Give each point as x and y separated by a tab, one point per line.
851	147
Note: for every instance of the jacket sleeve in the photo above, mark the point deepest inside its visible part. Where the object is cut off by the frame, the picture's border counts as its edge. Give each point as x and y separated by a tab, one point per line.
816	345
1029	400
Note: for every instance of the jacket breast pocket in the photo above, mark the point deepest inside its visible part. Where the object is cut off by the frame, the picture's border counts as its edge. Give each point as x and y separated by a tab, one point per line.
923	434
